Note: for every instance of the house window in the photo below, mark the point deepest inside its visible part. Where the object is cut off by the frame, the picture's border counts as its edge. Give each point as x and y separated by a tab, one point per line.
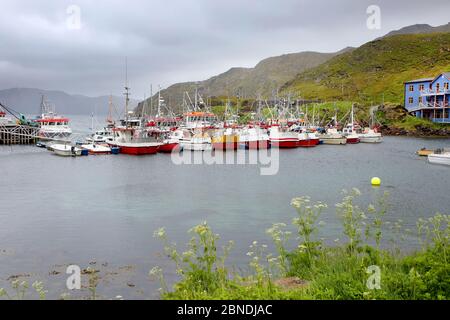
446	86
422	87
438	86
420	100
411	87
411	100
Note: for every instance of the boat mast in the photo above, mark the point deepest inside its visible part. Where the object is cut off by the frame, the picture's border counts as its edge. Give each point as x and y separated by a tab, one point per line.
151	100
352	118
159	101
127	89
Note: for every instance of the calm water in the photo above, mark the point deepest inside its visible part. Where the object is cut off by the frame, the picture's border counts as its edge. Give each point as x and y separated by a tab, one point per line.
56	211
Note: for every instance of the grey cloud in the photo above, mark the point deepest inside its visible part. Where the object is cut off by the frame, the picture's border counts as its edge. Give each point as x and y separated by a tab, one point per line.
178	40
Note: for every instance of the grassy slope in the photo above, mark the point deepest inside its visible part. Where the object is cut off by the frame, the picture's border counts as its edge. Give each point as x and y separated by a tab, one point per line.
376	68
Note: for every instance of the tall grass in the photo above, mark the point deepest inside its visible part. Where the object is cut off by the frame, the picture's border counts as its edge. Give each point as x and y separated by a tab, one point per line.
313	270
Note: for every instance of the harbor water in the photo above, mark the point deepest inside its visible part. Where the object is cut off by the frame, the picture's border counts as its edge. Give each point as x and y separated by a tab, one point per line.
101	211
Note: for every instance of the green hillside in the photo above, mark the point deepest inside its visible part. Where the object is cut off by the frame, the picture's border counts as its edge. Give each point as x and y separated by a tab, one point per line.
375	70
247	83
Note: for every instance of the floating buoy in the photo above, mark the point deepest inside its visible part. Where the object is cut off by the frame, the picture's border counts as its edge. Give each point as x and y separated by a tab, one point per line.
376	181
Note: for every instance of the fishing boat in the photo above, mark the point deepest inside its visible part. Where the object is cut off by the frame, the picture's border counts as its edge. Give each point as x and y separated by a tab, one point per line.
101	136
226	139
170	143
439	157
193	140
350	130
370	136
254	138
304	140
424	152
332	136
133	139
4	120
66	150
52	126
95	148
199	120
313	137
283	138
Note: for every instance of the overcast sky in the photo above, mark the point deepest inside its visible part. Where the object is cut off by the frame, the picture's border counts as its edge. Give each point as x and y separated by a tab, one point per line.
172	41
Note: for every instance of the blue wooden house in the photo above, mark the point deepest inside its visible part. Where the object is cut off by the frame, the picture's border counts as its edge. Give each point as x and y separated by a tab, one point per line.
429	98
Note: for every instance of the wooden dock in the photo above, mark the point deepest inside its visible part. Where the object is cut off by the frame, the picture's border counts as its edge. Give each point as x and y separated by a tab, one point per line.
18	134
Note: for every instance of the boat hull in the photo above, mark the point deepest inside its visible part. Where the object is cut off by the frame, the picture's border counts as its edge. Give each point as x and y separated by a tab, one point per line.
66	151
353	140
370	139
334	141
284	144
256	145
439	159
137	149
96	149
169	147
308	143
225	145
196	146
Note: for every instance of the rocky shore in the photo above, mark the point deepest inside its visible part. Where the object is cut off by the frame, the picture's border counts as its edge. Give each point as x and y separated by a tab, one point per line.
395	121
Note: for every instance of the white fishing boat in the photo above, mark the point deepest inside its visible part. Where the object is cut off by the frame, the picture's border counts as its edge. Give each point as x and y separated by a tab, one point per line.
439	157
332	136
254	138
52	126
65	150
95	148
4	120
193	140
370	136
105	135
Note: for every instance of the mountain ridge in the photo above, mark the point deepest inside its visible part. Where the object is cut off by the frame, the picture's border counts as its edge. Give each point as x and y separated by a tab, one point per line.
265	76
27	101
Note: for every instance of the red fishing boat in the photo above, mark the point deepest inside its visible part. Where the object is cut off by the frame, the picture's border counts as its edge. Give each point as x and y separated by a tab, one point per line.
282	138
305	141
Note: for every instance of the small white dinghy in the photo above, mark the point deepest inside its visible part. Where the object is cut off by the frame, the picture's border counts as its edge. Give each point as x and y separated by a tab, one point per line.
66	150
439	158
96	148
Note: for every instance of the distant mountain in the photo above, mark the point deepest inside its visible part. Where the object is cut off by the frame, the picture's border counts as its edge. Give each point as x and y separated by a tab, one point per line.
27	101
377	70
266	76
420	29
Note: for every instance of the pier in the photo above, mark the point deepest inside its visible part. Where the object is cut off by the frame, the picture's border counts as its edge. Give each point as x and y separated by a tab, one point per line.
18	134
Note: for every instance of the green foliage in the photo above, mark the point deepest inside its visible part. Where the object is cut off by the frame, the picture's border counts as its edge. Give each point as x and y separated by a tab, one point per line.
376	71
330	272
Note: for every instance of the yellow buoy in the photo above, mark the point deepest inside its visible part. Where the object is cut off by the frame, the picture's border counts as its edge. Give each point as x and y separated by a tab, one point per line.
376	181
